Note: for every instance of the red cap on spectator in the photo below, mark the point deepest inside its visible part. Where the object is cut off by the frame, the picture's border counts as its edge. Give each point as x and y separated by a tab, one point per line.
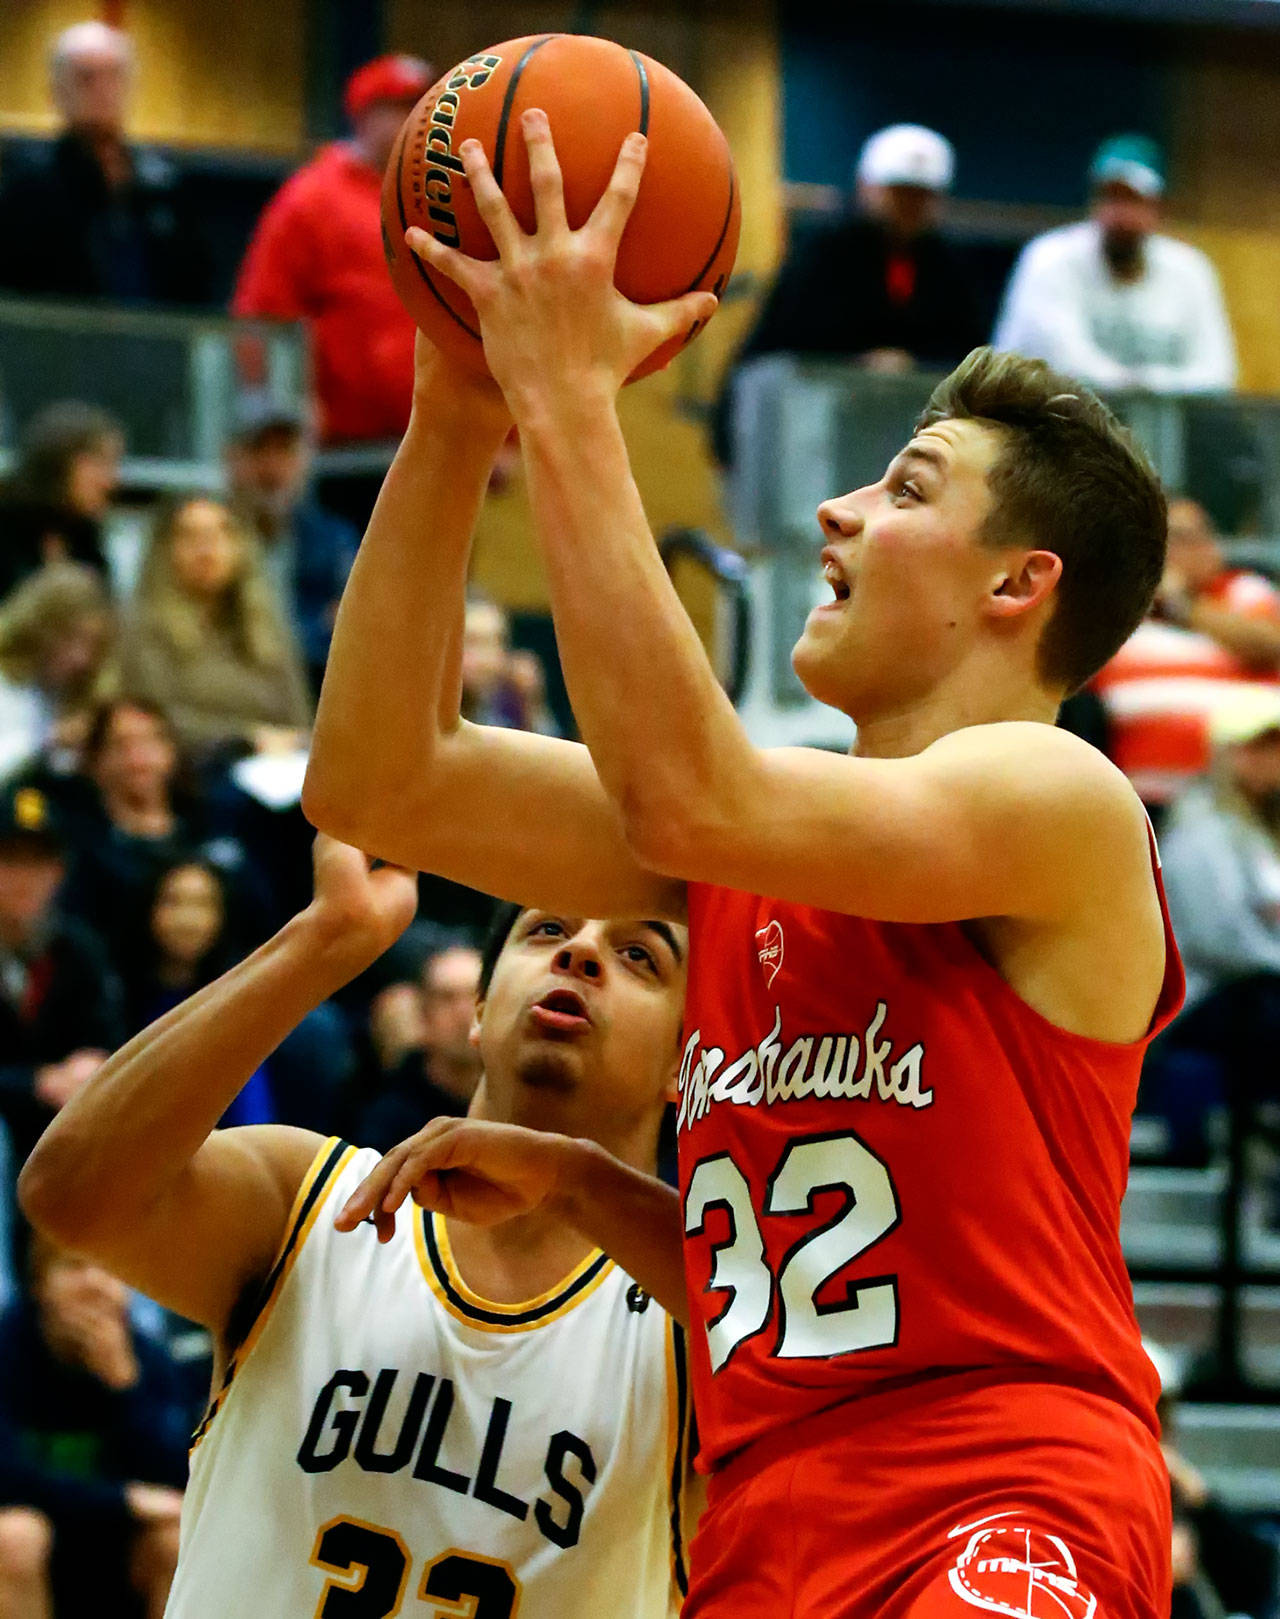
387	78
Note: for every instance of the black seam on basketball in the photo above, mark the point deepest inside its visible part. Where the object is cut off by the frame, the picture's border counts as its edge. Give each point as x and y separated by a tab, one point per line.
644	91
724	231
508	100
423	271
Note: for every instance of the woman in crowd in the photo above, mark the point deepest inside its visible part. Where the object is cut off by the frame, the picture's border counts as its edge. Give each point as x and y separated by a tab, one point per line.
56	633
137	813
188	943
53	506
207	639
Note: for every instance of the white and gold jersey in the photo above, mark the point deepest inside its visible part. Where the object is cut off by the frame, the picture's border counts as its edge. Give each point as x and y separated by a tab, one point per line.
387	1442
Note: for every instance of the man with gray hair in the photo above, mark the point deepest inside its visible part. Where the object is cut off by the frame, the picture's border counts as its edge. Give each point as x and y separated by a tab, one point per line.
87	215
881	284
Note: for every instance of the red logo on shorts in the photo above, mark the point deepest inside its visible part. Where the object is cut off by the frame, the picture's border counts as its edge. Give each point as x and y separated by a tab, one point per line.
1020	1572
769	949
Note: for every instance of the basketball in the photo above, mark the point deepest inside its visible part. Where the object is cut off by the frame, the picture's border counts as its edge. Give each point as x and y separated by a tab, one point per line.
682	235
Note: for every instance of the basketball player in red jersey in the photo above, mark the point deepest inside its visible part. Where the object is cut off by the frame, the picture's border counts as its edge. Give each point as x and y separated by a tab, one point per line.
922	977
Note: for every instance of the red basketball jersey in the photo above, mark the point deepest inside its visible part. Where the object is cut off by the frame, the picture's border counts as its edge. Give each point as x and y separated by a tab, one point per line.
892	1169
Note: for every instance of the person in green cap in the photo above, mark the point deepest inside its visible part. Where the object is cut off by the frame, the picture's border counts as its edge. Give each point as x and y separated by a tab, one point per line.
1113	301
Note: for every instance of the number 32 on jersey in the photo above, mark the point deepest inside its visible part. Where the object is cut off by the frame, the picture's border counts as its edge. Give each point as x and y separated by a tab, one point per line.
866	1318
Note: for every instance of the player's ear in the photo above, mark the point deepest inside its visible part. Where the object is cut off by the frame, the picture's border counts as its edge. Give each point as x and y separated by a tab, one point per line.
477	1018
1028	580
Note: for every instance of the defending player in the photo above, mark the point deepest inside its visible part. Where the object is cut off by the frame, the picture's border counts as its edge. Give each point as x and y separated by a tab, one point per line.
461	1416
909	1072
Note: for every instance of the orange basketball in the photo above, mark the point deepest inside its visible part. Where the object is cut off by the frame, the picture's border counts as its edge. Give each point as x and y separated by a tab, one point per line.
682	235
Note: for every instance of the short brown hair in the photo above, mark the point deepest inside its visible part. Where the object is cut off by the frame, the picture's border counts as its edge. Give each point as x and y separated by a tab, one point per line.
1071	479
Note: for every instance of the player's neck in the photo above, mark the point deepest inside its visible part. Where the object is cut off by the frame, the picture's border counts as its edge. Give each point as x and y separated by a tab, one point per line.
518	1260
953	706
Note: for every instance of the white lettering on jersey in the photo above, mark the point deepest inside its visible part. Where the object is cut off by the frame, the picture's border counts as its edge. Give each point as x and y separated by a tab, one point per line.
835	1067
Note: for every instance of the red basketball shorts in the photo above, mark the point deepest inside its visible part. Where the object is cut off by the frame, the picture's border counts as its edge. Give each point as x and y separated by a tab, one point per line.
1027	1501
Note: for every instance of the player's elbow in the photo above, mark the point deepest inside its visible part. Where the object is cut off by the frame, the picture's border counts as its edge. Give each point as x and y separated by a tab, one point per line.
665	836
53	1195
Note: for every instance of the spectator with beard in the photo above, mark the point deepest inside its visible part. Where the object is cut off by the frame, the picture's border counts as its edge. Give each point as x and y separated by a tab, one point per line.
1114	302
56	634
427	1063
308	551
90	216
53	506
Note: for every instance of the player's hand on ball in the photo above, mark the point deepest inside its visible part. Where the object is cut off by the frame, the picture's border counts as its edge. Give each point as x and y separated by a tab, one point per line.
550	315
437	379
468	1169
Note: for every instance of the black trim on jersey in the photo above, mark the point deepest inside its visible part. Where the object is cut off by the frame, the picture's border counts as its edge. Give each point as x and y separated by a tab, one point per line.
503	1318
245	1328
680	1461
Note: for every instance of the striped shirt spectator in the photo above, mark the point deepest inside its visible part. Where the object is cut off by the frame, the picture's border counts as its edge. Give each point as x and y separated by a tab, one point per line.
1212	630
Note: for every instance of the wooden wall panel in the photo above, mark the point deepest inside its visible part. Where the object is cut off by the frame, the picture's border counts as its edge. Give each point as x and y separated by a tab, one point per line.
209	73
26	29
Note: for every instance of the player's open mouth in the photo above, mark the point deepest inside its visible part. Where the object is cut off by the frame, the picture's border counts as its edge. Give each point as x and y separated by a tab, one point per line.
563	1011
835	576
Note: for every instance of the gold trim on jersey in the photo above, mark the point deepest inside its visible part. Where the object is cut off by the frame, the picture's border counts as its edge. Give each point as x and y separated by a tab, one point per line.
431	1239
328	1163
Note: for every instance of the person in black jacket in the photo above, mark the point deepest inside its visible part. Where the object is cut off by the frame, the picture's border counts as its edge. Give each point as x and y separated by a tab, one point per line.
89	216
59	1001
93	1430
882	285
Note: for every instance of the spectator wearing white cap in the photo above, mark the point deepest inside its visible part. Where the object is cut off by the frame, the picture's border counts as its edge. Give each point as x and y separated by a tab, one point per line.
882	285
88	215
1113	301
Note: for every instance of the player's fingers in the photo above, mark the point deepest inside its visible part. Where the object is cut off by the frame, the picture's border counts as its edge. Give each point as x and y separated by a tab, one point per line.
493	207
467	273
610	215
544	173
371	1190
684	316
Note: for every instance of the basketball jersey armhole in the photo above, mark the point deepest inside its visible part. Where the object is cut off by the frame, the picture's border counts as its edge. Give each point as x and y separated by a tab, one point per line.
322	1175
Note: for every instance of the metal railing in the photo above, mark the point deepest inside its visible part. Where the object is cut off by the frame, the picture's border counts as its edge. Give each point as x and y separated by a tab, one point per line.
171	379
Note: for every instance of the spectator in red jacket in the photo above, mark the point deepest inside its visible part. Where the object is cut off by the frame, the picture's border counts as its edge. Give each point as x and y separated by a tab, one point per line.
316	256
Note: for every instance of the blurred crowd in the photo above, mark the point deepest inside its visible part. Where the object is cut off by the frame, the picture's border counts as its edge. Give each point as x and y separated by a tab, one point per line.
156	696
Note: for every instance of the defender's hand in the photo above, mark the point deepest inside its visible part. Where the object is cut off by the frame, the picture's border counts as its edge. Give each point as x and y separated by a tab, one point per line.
358	910
552	321
469	1169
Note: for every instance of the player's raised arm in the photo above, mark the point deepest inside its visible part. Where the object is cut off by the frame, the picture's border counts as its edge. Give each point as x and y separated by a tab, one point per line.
991	821
132	1171
393	768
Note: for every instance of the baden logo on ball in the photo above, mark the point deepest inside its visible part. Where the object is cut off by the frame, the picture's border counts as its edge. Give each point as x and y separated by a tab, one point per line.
683	232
